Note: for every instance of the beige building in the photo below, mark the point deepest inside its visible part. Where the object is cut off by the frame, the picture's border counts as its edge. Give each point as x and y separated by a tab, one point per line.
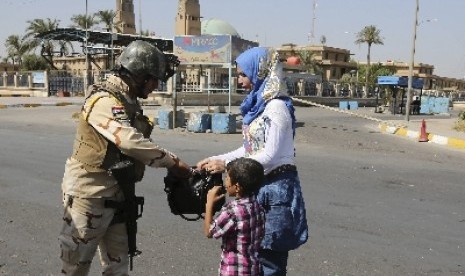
188	18
125	18
426	72
334	62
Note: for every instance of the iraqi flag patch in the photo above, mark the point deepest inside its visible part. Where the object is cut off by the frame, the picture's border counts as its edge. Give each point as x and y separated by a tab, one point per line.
118	112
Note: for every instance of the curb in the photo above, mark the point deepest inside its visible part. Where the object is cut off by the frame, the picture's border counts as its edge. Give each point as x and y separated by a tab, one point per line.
433	138
3	106
64	103
14	95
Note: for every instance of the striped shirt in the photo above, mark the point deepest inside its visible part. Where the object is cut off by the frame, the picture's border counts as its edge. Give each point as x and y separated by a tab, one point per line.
240	224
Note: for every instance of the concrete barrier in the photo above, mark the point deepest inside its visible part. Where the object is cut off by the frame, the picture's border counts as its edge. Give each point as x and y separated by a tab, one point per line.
199	122
165	119
223	123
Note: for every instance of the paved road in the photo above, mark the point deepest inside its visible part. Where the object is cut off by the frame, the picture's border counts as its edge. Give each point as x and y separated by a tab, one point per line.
377	204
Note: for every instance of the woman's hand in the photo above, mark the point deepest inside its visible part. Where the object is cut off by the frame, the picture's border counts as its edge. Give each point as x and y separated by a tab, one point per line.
211	166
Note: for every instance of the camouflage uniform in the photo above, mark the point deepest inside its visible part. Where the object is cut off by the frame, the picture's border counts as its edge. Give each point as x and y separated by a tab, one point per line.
110	125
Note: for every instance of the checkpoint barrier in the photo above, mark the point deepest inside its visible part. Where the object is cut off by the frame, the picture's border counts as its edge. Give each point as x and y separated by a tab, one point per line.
199	122
165	119
223	123
348	105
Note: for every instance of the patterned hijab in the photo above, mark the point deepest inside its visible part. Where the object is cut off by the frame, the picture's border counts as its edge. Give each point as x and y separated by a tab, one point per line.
263	68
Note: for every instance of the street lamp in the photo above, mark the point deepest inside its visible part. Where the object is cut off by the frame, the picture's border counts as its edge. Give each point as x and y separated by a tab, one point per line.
112	39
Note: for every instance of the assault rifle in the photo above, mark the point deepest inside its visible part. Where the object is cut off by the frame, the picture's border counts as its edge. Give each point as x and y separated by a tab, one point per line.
133	205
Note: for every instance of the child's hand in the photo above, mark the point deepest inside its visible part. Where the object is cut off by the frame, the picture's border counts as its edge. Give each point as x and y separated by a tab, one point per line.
214	194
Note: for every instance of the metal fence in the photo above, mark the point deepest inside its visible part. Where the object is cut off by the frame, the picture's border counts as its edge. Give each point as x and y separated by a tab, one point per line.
10	79
23	80
63	82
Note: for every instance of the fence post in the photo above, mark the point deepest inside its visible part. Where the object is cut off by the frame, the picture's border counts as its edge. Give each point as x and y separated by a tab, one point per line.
46	83
5	79
15	80
29	80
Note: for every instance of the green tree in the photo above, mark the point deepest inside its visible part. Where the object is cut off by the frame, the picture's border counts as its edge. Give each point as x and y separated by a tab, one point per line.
8	57
39	26
34	62
374	72
309	63
17	48
105	17
82	21
369	35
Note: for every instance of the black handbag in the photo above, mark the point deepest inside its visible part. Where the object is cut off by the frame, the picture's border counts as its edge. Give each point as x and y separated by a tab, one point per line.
189	196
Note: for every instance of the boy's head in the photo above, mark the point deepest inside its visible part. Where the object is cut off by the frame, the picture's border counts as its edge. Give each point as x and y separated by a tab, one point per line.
246	173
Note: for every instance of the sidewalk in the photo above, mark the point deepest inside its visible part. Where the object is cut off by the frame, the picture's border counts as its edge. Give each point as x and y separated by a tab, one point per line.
439	128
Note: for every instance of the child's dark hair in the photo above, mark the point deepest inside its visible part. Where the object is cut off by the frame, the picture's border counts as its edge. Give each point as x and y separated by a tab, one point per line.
247	172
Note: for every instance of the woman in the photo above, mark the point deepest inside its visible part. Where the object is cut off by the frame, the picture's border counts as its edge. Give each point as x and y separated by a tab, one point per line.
268	131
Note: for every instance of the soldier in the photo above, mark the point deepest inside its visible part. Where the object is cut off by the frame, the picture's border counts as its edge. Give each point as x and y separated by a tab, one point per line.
111	128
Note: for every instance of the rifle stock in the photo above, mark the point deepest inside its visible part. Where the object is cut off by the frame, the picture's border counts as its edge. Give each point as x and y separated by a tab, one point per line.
133	205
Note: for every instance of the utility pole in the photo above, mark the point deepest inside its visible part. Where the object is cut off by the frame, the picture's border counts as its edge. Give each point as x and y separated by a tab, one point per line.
412	59
140	19
86	79
312	34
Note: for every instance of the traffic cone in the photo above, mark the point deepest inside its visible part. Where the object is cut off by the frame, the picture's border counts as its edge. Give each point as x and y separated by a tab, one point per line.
423	134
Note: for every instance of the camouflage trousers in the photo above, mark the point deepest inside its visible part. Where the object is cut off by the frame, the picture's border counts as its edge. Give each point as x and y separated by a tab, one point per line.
87	227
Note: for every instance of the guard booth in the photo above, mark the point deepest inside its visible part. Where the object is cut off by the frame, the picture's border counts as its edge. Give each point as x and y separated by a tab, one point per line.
399	94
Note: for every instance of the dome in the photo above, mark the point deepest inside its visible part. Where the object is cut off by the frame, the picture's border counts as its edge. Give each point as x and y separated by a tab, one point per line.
217	27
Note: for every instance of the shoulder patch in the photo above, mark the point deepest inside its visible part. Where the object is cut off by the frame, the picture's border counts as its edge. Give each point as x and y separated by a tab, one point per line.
118	112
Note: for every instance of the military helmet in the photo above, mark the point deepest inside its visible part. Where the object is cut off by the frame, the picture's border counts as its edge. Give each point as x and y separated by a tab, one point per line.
142	58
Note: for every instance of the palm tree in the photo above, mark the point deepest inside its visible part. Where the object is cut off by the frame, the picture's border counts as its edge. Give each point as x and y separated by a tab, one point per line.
17	48
65	47
369	35
38	26
309	63
106	18
34	62
82	21
311	66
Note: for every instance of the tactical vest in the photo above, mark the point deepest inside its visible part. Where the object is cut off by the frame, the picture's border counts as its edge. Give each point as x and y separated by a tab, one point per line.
92	149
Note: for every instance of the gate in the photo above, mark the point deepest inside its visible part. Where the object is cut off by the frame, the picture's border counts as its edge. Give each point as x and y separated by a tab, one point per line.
63	82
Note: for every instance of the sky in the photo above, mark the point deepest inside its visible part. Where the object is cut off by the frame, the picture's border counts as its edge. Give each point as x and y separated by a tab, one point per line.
440	40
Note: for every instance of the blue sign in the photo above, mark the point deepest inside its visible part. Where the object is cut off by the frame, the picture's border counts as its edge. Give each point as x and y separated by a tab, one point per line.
38	77
417	83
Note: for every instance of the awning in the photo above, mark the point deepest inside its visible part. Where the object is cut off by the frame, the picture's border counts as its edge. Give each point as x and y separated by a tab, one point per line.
96	37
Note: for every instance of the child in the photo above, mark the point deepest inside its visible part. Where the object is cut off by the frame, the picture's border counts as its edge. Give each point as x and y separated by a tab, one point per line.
240	222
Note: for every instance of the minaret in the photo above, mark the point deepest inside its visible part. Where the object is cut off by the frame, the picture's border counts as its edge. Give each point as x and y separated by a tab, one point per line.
125	19
188	18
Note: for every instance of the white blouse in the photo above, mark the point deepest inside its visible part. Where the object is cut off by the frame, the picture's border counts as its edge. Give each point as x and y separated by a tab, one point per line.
267	139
